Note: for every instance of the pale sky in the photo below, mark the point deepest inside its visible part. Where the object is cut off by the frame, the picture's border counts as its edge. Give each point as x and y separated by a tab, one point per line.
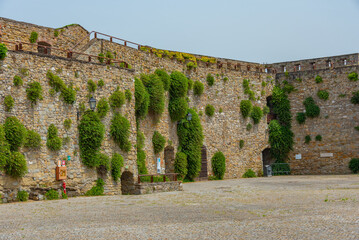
263	31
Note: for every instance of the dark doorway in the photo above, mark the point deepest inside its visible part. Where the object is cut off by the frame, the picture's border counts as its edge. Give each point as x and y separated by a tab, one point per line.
170	159
127	183
204	172
266	158
44	48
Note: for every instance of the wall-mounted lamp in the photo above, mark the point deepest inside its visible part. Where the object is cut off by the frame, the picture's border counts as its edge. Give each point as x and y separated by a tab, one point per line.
92	103
189	116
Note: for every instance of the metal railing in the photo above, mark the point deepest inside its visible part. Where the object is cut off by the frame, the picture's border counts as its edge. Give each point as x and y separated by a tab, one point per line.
19	46
174	175
111	39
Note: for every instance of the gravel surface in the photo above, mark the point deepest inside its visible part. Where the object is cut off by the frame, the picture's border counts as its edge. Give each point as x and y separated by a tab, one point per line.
287	207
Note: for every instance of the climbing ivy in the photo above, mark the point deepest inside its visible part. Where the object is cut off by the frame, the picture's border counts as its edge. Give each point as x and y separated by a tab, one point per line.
17	81
16	166
3	51
117	99
4	148
91	134
34	92
165	78
33	37
53	142
154	87
142	99
68	94
178	105
209	110
181	164
32	139
120	131
245	107
116	165
210	80
218	164
15	133
198	88
190	138
158	142
256	114
141	155
8	103
102	108
312	110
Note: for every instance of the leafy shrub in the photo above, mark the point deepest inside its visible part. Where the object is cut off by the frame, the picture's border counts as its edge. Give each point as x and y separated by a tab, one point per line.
241	144
117	99
356	128
116	165
101	58
280	140
91	86
15	133
318	138
67	123
103	162
181	164
3	51
266	110
312	110
249	127
177	108
354	165
288	88
190	138
128	95
323	94
64	195
16	166
33	37
4	148
156	92
355	98
280	169
102	108
246	108
190	84
198	88
318	79
8	103
158	142
52	194
307	139
256	114
91	134
96	190
142	99
165	78
301	117
100	83
249	174
109	55
218	164
120	131
53	142
209	110
22	196
225	79
32	139
353	76
210	79
17	81
179	85
56	33
34	92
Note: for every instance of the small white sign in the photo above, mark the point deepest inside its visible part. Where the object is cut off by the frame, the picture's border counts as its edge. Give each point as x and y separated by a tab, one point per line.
298	156
323	155
158	165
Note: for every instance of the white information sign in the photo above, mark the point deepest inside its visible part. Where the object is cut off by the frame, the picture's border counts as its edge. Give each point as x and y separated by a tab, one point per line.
158	165
323	155
298	156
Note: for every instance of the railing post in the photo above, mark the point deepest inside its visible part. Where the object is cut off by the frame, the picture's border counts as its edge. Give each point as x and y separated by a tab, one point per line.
89	58
95	34
164	178
110	39
20	46
125	43
139	47
151	178
16	47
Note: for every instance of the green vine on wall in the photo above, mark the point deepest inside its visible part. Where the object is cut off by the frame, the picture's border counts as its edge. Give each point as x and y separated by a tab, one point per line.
120	131
68	94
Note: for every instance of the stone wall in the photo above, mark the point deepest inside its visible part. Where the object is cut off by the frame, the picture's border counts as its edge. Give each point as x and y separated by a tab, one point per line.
147	188
338	117
69	36
224	130
52	110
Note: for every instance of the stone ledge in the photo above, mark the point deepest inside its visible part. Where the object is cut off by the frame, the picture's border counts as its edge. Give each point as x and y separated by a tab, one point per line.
146	188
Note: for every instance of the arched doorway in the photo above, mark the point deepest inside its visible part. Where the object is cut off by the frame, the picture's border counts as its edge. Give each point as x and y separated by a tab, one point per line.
169	159
127	183
204	171
266	158
43	48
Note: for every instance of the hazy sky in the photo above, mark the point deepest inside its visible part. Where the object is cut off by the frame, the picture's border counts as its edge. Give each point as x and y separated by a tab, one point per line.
263	31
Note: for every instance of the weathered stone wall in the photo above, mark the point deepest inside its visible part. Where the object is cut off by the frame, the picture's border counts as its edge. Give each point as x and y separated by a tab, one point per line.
69	36
147	188
224	130
52	110
338	117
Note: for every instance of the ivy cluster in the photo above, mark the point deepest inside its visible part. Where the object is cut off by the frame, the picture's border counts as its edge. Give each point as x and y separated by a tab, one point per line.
33	37
247	89
178	105
353	76
102	108
3	51
53	142
249	174
98	189
120	131
32	139
245	107
209	110
116	165
318	79
198	88
142	99
323	94
181	164
355	98
8	103
165	78
141	154
17	81
117	99
155	89
34	92
210	80
158	142
190	137
312	110
68	94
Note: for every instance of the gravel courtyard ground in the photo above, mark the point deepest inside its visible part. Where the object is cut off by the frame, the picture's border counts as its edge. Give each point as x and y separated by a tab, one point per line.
287	207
